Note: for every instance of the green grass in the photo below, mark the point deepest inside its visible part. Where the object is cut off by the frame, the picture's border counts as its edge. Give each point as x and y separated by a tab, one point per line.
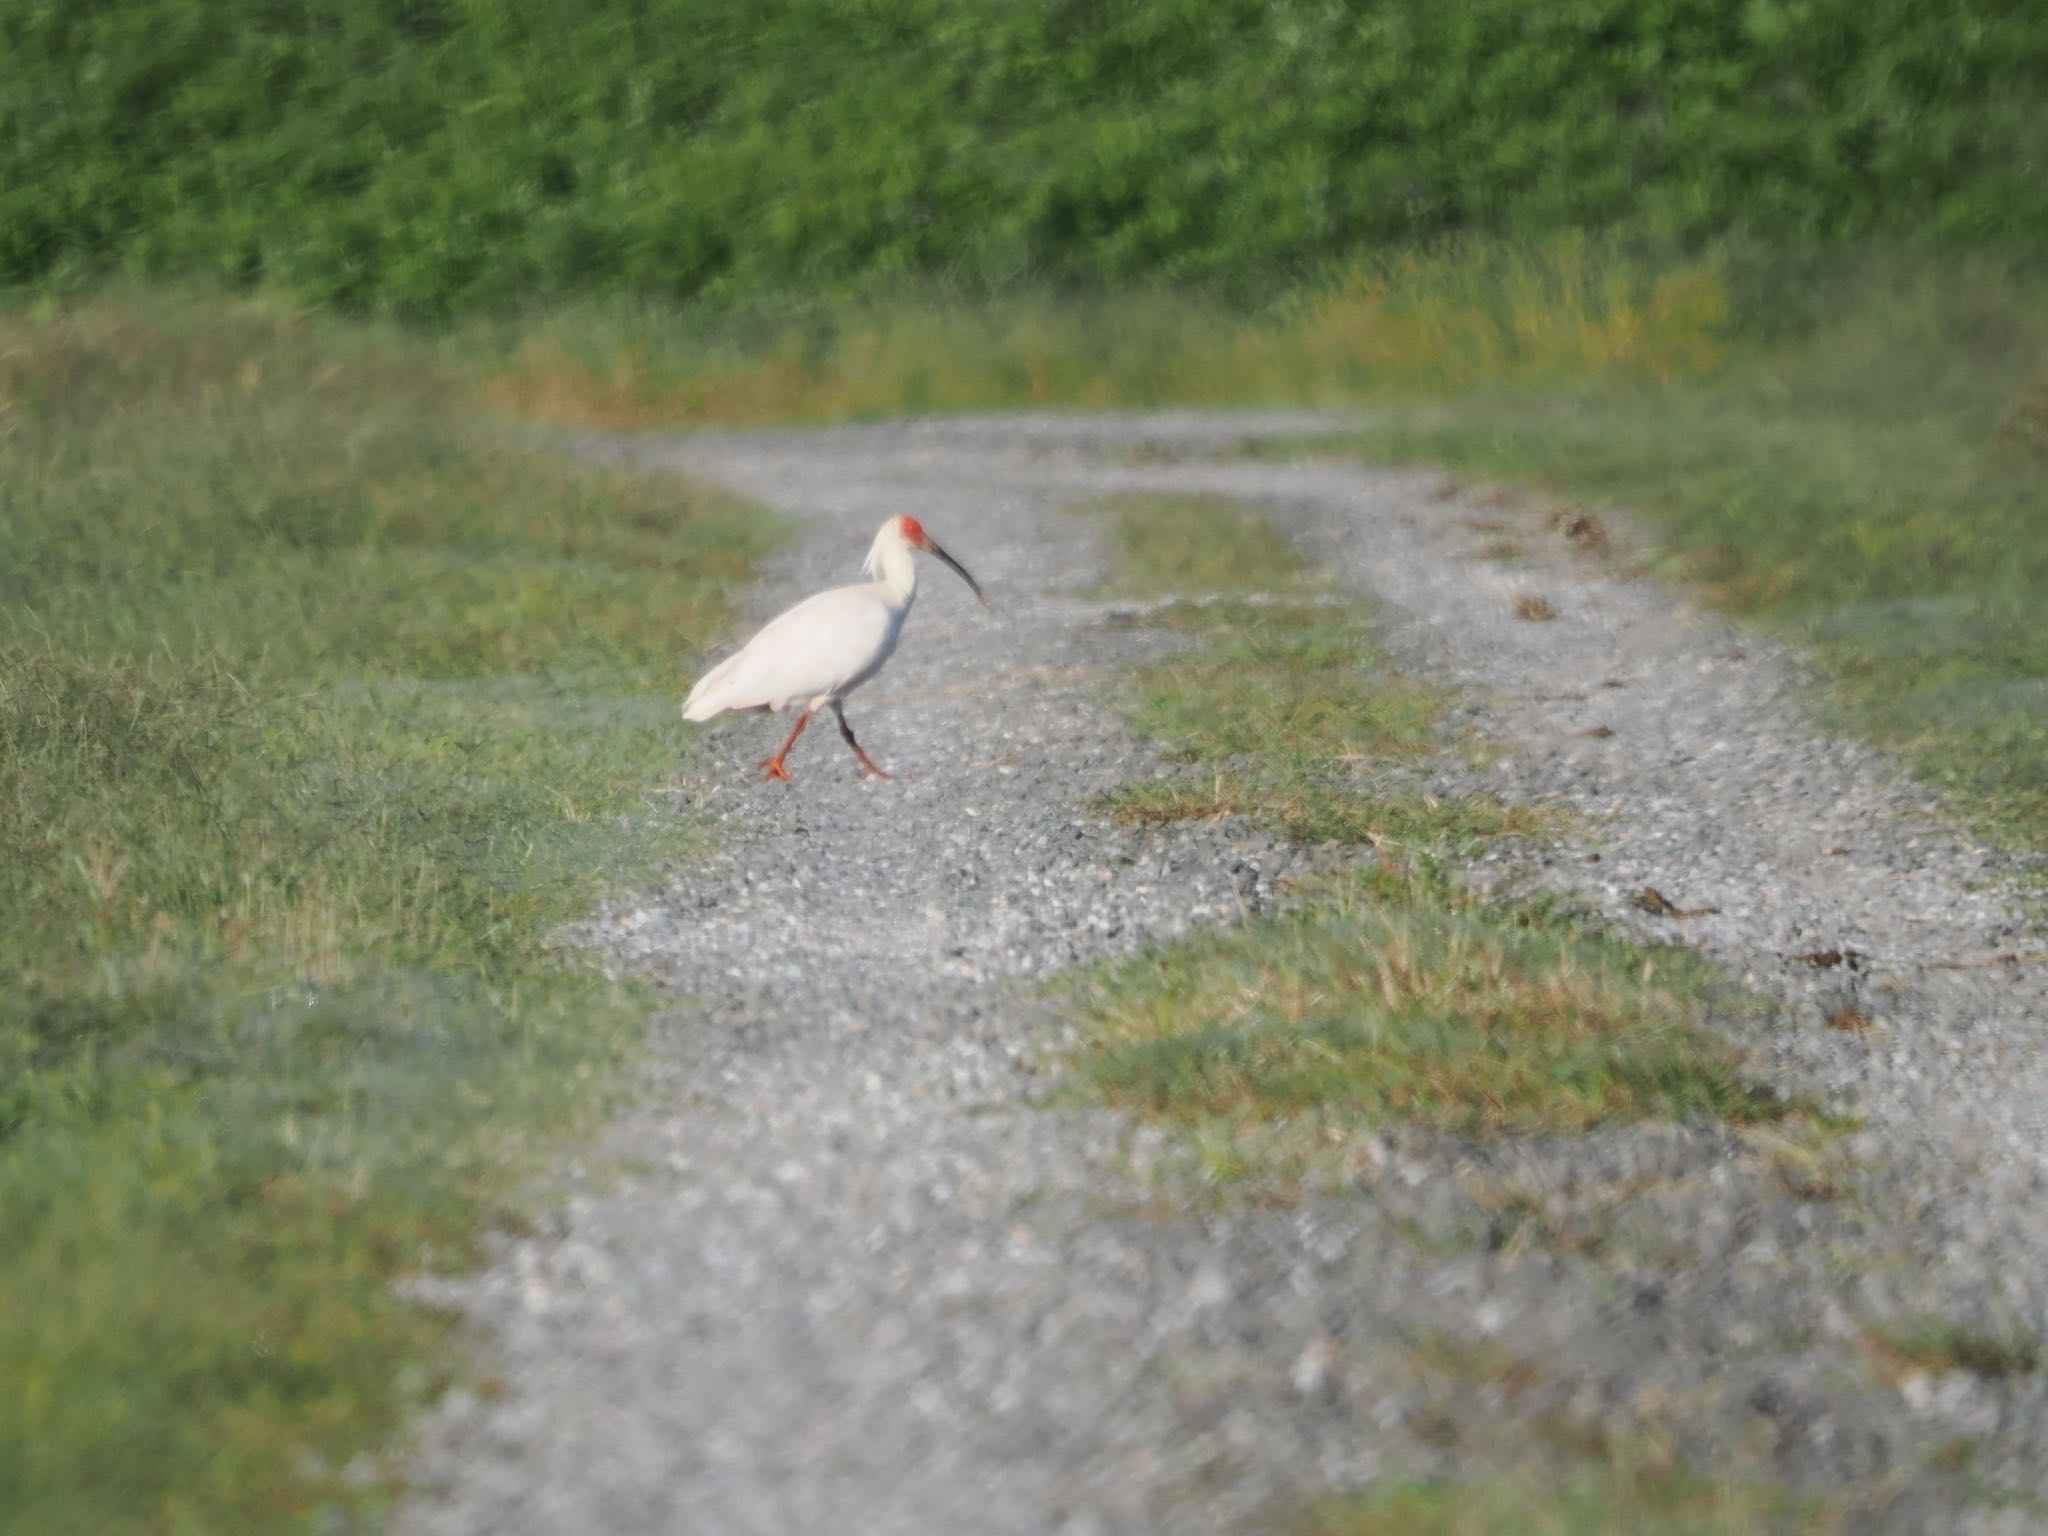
319	707
1866	472
1287	708
1300	681
1390	995
1595	1500
1935	1344
440	156
1163	546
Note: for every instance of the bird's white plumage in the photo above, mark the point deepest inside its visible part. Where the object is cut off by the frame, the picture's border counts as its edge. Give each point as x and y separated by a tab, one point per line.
818	652
823	648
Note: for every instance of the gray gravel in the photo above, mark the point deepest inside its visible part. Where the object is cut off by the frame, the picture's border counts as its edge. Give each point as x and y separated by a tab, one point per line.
838	1269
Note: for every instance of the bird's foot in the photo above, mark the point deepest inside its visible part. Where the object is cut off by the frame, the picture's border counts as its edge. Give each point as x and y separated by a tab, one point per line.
776	770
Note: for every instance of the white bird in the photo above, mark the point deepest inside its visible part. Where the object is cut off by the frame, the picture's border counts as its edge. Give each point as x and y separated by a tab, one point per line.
818	652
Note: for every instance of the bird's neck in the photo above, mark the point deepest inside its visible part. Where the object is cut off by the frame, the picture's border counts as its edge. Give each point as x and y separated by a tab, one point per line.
894	571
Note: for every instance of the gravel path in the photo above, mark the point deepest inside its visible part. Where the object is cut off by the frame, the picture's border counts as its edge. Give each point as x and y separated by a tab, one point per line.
839	1271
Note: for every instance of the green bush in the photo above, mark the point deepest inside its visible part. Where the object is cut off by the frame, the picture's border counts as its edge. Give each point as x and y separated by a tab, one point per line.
434	155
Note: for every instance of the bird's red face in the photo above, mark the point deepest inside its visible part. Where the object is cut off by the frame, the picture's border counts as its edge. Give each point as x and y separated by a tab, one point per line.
913	534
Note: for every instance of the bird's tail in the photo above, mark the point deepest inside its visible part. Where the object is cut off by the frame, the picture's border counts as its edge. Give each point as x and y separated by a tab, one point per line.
707	698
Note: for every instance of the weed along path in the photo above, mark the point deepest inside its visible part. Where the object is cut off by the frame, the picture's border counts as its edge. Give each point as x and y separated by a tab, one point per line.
862	1256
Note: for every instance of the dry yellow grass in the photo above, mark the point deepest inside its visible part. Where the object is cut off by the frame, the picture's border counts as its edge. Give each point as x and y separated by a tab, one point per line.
1440	320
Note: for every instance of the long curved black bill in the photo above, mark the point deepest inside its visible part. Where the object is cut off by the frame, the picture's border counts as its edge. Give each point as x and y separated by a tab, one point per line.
958	570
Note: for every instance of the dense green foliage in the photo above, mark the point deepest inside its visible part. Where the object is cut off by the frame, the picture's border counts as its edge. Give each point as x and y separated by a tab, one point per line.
317	711
433	154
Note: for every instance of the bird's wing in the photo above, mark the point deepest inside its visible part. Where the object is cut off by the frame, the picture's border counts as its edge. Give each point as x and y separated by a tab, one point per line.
812	649
708	697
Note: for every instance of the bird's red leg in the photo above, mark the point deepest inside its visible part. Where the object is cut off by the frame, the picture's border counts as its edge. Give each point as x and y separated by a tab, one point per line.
867	763
774	764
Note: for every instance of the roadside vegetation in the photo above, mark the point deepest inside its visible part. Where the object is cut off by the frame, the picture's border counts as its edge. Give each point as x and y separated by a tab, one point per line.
1425	320
433	157
1602	1498
1938	1344
1287	714
1865	471
1849	446
320	704
1388	993
1387	997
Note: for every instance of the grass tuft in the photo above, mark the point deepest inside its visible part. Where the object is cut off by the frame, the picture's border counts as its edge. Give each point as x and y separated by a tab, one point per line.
1392	998
1166	545
1301	681
1286	703
1934	1344
1297	721
1601	1500
1390	995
